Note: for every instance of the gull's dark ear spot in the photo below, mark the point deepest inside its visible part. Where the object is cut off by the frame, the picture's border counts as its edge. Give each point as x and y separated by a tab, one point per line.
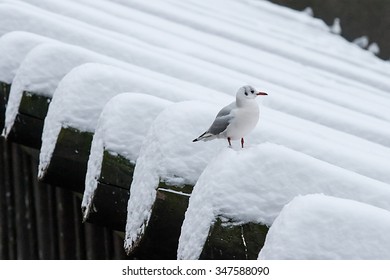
246	93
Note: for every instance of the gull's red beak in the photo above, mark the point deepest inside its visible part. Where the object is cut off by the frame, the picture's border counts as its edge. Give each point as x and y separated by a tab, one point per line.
261	93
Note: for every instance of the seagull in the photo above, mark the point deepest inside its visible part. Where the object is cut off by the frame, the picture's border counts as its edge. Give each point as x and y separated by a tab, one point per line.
236	119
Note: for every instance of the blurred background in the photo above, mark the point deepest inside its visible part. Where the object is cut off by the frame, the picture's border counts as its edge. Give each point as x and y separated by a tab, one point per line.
358	18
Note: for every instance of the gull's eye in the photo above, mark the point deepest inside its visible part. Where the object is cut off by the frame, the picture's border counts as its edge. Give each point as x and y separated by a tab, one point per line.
252	91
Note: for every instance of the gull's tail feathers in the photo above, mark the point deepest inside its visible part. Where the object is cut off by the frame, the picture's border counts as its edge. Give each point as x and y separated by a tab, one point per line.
205	137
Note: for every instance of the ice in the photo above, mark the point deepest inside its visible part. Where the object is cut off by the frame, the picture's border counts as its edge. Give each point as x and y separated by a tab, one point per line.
120	131
324	227
253	185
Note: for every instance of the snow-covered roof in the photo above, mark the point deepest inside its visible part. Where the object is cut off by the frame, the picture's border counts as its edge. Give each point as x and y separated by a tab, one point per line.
253	185
327	107
324	227
42	69
82	93
168	154
121	129
14	47
116	45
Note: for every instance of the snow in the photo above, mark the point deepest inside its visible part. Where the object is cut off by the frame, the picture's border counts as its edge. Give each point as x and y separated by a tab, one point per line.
81	95
14	47
361	41
326	119
169	155
42	69
253	185
374	48
308	11
119	131
325	227
336	28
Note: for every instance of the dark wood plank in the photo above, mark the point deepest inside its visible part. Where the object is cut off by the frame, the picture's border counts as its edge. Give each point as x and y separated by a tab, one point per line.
27	131
227	241
3	204
46	222
66	225
116	171
34	105
10	201
110	203
4	93
161	237
112	192
68	165
25	242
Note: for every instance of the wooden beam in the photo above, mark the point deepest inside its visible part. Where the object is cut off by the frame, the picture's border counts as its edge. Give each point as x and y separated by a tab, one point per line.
68	165
227	240
161	237
28	126
112	192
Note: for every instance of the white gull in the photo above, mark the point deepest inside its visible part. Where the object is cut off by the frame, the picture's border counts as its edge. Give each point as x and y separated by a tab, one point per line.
236	119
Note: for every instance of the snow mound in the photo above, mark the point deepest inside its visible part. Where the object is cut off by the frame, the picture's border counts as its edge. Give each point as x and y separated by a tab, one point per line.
121	129
253	185
325	227
374	48
336	27
14	46
169	155
332	146
41	71
361	42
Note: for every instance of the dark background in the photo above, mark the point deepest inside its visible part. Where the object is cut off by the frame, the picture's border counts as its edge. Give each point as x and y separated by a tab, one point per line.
357	18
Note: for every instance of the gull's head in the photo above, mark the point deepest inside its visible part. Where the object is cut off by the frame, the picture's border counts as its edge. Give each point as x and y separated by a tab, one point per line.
248	92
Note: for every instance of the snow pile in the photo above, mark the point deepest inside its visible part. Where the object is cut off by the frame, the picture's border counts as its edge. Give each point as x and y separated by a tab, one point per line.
374	48
253	185
169	155
361	42
121	129
336	28
324	227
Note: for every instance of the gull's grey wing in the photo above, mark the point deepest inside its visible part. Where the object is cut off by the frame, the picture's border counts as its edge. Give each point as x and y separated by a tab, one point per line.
222	120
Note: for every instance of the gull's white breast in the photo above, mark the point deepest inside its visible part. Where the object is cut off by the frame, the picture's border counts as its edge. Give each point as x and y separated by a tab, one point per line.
244	121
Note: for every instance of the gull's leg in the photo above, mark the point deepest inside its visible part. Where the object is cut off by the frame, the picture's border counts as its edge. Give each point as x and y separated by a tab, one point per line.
230	143
242	142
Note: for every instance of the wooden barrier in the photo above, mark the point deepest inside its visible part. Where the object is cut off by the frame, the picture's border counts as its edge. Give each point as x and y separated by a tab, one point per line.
4	93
